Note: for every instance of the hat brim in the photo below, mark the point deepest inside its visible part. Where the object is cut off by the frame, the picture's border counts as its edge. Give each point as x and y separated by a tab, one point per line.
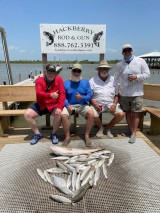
109	67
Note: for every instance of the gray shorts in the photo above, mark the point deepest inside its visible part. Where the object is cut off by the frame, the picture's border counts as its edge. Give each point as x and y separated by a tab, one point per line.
106	109
133	104
80	109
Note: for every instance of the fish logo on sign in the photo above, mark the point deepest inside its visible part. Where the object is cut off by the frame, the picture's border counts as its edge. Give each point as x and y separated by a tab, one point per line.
50	38
97	37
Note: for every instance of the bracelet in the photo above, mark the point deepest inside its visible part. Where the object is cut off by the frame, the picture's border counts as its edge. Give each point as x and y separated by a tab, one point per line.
114	104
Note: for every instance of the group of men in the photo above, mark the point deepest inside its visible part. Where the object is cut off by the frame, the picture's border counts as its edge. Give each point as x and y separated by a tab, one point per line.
120	95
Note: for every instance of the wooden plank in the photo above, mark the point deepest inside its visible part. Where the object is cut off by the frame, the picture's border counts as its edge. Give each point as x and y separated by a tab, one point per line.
153	111
17	93
14	112
154	126
152	92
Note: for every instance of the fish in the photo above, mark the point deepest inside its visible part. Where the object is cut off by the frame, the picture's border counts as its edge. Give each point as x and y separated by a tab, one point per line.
85	172
97	176
69	180
50	37
56	170
61	158
104	170
61	165
88	176
41	174
47	176
78	182
61	185
72	151
110	160
79	194
74	178
60	199
97	37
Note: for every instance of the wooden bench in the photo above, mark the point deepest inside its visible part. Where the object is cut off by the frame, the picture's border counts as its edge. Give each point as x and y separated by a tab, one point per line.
10	94
152	93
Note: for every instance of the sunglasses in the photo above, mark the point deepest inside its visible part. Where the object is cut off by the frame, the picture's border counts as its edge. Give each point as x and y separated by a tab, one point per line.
127	50
51	72
103	68
76	70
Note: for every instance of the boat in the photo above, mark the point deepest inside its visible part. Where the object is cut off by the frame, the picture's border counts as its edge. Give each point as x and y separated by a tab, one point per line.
70	67
58	68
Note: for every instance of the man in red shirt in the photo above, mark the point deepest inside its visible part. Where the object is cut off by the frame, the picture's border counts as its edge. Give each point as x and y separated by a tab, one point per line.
50	94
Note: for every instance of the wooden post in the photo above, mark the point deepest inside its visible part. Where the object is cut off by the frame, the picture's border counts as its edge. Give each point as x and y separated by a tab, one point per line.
20	78
101	56
44	62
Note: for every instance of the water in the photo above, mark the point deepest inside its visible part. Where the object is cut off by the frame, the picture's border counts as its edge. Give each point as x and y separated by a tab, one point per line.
88	72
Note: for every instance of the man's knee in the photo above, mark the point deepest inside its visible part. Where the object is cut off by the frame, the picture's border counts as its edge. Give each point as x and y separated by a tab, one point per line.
90	113
120	114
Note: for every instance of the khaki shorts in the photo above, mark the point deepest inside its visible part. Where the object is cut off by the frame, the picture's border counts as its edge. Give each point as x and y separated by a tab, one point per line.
106	109
133	104
80	109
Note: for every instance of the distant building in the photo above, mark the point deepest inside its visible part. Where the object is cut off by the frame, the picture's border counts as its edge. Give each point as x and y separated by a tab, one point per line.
152	59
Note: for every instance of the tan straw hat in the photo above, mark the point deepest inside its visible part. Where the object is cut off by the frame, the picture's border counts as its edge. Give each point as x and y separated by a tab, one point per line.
105	64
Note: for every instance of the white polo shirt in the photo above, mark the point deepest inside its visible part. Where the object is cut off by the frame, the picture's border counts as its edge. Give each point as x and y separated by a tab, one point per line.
103	92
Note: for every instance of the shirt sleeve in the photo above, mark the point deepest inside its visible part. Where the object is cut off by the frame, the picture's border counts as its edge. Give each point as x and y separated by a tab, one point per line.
88	95
116	79
145	72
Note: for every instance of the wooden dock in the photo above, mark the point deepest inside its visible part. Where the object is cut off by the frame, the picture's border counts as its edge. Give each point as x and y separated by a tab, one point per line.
24	135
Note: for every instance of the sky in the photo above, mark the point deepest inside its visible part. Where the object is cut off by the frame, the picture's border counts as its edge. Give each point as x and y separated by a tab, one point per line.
127	21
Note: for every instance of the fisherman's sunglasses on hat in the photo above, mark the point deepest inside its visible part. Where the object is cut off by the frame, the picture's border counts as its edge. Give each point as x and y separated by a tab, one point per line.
76	70
51	72
127	50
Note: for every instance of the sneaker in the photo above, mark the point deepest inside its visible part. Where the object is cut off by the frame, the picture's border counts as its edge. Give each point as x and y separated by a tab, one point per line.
100	133
36	138
54	138
132	139
109	134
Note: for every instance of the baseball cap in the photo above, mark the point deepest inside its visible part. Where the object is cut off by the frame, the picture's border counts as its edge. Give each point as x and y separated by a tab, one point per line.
126	46
77	66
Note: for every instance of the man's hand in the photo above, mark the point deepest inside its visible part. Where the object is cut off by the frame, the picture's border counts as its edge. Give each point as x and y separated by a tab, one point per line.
54	94
78	96
132	77
58	111
112	108
98	107
70	108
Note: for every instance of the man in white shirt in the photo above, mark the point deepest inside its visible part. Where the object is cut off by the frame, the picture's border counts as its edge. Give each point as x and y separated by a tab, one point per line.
131	73
104	98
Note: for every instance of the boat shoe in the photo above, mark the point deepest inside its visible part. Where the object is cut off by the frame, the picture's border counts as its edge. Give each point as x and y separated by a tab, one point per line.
36	138
54	138
132	139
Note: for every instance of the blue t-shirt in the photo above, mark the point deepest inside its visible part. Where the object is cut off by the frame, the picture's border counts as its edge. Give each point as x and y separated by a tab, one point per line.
72	88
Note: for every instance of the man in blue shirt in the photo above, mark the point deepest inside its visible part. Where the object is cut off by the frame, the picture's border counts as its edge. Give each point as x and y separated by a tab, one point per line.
78	95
